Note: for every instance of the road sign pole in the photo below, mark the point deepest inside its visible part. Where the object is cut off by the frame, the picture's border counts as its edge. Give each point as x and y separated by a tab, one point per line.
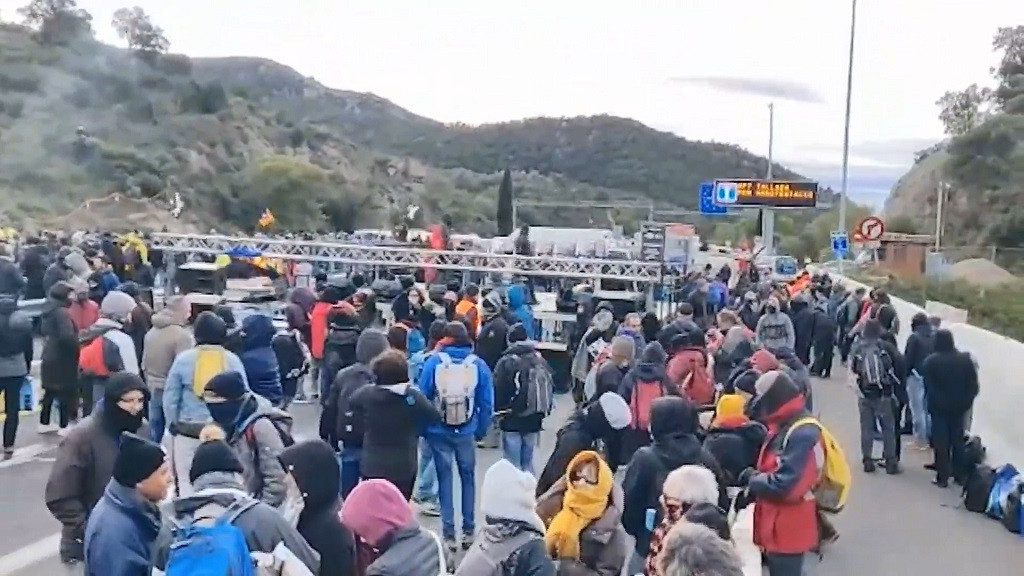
768	215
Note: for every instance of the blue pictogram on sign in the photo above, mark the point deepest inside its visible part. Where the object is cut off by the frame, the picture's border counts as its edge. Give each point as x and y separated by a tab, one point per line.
725	193
706	200
840	244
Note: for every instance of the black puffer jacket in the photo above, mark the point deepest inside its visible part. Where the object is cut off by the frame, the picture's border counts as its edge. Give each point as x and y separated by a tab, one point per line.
674	429
735	446
316	473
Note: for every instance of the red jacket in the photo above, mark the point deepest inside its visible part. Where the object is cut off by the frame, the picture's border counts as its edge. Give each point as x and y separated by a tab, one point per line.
84	313
785	518
318	329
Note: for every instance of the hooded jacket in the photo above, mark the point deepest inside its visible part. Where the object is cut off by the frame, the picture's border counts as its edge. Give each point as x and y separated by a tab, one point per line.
950	378
519	305
803	327
82	469
259	359
775	330
508	505
315	470
735	446
59	362
650	368
581	431
120	533
259	452
920	343
492	341
346	383
602	542
483	397
340	342
393	416
168	338
673	428
798	372
263	527
15	340
507	398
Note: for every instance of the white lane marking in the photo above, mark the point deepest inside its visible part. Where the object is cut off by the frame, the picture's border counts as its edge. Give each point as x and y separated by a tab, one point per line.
26	455
30	555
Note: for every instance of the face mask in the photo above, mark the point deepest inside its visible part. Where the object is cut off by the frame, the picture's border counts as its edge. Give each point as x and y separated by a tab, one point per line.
119	420
224	413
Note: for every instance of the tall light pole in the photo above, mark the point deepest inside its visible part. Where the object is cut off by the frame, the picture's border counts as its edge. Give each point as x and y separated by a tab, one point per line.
767	215
846	129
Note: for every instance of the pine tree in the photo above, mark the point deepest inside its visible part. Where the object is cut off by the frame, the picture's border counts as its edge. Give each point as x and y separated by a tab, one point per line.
505	223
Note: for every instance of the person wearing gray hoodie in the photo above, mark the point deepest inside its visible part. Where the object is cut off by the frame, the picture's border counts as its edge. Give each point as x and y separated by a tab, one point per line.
393	413
340	425
775	329
168	337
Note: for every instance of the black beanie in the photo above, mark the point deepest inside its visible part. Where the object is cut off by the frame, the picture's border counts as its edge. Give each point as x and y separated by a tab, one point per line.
214	456
119	384
227	385
517	333
137	459
210	328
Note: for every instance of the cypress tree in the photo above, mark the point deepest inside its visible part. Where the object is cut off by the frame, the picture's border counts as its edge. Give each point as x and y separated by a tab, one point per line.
505	223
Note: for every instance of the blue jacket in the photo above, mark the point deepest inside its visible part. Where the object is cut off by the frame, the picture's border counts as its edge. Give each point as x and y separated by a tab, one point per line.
415	342
519	304
483	398
180	402
120	534
259	358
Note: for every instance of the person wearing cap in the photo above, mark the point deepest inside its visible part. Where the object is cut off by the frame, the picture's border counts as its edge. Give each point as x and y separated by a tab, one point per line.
125	522
117	349
492	340
85	459
215	473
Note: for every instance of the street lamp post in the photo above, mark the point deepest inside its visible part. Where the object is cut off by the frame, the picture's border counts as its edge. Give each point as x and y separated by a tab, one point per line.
846	129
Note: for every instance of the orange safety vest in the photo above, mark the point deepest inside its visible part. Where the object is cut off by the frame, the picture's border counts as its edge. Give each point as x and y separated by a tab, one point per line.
463	309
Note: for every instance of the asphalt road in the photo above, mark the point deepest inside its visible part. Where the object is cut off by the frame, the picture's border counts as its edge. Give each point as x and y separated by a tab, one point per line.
892	526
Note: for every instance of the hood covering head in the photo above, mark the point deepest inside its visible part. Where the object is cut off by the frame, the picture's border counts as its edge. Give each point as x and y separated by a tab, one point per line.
210	329
603	319
610	412
517	333
691	484
772	390
115	418
313	464
653	353
695	550
517	295
375	509
764	361
174	313
507	493
490	305
77	263
227	315
371	343
60	293
117	306
304	297
944	341
257	331
672	416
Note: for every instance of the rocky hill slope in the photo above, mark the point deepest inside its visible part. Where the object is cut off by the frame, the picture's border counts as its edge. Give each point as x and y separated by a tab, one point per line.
232	136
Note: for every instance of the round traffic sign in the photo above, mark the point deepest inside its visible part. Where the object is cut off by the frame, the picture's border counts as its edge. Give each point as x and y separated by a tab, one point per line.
871	228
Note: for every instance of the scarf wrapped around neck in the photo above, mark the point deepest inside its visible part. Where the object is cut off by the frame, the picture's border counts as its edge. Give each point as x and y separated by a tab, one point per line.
673	513
582	504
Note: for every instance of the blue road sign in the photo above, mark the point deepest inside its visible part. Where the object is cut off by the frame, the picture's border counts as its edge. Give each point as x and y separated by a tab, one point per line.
707	200
840	244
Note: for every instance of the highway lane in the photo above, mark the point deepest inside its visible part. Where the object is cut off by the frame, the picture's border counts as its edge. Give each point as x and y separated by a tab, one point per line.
892	526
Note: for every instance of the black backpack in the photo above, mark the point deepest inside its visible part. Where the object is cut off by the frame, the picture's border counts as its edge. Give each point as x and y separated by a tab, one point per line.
1013	516
973	456
350	425
978	487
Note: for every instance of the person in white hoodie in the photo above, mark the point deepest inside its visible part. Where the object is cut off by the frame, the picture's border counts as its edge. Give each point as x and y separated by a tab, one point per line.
106	348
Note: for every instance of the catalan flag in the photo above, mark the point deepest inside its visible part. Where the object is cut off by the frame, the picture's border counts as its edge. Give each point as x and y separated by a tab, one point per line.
267	218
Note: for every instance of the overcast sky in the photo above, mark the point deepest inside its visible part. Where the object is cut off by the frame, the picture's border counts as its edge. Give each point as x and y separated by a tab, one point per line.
704	69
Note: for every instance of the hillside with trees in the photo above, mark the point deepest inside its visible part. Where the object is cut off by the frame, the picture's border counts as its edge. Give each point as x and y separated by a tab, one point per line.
229	137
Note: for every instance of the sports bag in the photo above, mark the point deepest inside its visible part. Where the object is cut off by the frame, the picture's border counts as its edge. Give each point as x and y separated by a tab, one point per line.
202	548
534	380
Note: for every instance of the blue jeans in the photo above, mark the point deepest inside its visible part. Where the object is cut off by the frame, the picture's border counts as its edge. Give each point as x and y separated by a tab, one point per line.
326	379
157	423
462	449
350	460
517	447
426	475
919	408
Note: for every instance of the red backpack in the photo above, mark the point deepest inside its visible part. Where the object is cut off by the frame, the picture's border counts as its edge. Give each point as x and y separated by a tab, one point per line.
645	392
696	386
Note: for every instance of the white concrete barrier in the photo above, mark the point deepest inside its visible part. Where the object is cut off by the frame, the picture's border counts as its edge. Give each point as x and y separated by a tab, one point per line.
998	415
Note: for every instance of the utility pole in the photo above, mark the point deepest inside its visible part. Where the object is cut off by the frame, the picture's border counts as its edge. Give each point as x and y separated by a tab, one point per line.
767	214
941	191
846	129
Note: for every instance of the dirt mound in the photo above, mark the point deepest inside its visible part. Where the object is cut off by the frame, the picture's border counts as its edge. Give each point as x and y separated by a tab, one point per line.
981	272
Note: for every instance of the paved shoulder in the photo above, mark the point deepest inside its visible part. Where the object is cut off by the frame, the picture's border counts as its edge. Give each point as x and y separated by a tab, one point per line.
897	525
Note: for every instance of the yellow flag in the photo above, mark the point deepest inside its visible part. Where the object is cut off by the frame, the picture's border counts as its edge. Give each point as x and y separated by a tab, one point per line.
267	218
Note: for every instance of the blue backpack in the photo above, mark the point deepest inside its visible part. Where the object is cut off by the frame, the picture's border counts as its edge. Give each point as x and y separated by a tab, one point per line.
217	549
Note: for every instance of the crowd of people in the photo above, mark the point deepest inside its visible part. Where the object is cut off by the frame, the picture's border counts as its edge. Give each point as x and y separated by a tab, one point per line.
679	424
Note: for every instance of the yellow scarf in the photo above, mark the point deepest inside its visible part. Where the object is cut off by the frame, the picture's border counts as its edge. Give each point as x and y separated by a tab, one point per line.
582	504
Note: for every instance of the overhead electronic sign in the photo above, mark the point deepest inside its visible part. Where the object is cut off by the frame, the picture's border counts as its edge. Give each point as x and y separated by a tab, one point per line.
758	193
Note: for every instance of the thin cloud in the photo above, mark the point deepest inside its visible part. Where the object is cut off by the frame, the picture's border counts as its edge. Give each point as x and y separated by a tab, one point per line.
770	88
